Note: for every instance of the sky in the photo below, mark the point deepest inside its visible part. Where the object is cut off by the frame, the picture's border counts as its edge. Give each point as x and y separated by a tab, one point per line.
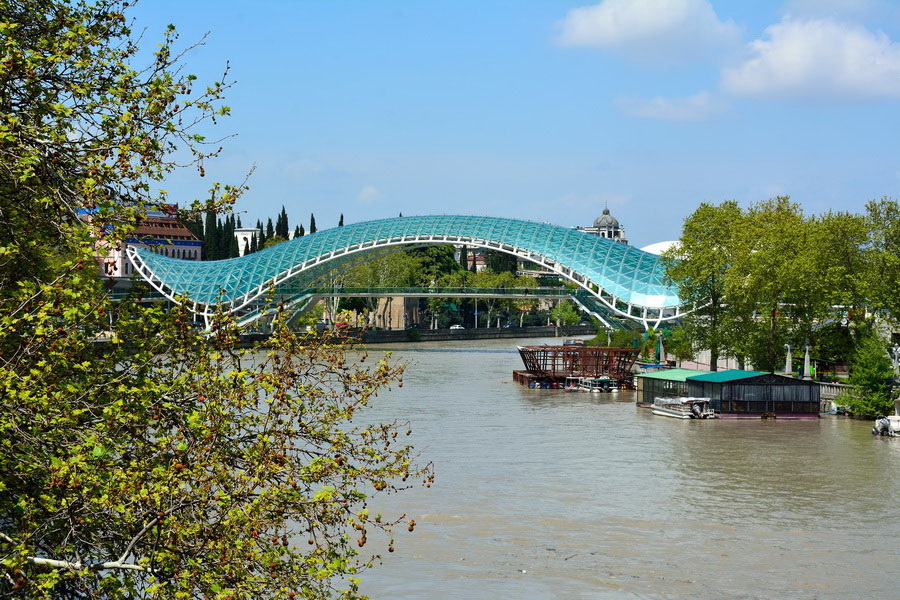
545	110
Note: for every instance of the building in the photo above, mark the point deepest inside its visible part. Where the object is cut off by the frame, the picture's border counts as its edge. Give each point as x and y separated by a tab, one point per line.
735	393
606	226
161	232
245	237
667	383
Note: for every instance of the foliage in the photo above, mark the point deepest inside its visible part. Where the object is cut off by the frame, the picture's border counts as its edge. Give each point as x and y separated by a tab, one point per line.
397	269
871	372
626	338
564	313
501	262
698	266
274	241
766	276
147	460
678	343
883	255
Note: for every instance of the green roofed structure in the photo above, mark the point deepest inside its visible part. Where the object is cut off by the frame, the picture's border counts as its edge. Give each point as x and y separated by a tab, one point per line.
735	393
626	281
725	376
754	394
667	383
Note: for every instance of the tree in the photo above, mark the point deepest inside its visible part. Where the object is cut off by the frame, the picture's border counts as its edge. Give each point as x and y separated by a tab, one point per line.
159	463
698	266
871	372
775	275
261	242
398	269
282	229
312	223
274	241
501	262
341	220
297	232
270	229
882	252
210	237
564	313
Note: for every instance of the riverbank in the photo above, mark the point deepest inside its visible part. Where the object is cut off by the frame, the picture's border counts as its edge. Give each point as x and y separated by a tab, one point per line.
443	335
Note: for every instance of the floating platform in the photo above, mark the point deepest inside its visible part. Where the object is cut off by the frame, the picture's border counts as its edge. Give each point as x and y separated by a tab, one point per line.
548	367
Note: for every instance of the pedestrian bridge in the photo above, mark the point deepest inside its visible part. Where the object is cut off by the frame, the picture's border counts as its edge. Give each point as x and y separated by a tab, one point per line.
615	278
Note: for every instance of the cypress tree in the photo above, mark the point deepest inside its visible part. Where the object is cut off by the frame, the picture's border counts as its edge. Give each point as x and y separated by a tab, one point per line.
302	231
312	223
253	245
270	230
341	221
239	223
210	242
297	232
233	249
283	227
464	257
221	241
246	247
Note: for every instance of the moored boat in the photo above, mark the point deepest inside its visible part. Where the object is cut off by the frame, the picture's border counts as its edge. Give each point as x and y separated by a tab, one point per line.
599	384
683	408
888	425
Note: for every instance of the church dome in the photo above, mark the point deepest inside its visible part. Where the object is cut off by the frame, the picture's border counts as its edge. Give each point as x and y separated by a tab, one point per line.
606	220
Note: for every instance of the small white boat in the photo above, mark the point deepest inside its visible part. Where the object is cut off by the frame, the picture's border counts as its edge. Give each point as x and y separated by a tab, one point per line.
683	408
888	425
599	384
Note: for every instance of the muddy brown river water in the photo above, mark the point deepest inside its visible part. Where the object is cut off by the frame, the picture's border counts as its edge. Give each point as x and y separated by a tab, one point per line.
547	494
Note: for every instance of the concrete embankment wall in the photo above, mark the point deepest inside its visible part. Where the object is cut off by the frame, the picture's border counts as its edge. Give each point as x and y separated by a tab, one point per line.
443	335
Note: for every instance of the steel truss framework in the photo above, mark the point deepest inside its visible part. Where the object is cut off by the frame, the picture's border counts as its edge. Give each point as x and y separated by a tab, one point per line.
578	361
625	280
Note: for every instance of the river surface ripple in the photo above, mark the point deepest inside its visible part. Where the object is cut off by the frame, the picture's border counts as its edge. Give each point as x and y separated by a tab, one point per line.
547	494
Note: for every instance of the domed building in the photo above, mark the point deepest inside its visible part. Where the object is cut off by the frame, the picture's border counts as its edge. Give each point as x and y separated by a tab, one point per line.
607	226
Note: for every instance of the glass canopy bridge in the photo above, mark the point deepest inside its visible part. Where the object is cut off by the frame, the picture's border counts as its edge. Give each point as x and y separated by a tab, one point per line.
613	279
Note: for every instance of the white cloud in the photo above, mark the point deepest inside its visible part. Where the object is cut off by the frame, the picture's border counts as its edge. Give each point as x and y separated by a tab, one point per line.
369	195
692	108
668	30
818	59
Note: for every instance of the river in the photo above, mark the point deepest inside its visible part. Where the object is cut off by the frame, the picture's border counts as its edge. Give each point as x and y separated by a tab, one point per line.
547	494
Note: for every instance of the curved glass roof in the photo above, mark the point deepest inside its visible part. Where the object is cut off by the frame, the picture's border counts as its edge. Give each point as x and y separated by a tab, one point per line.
631	275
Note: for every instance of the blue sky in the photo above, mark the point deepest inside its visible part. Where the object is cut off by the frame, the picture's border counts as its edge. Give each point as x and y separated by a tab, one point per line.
546	110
